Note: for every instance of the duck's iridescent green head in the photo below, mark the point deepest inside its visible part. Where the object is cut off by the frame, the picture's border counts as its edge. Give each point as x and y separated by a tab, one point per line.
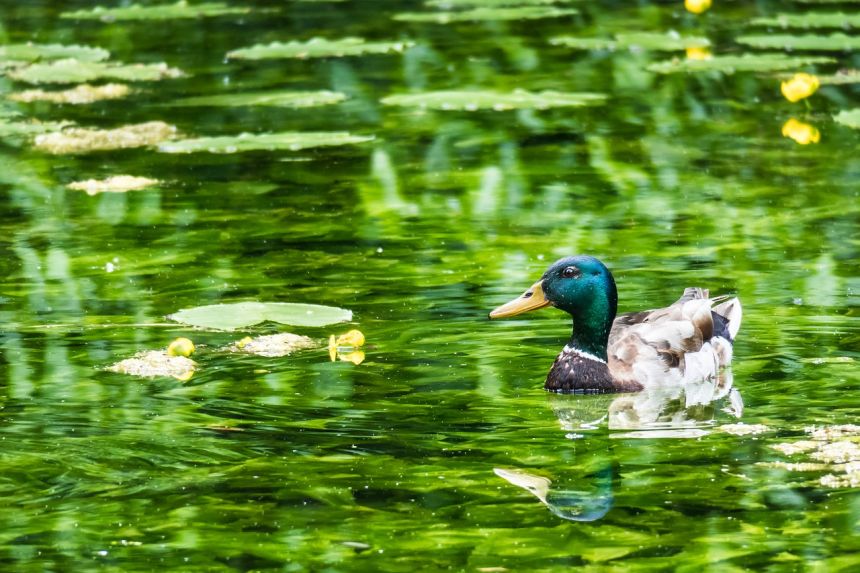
574	284
581	286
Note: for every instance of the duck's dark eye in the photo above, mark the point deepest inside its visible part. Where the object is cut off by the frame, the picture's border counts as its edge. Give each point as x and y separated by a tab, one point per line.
571	273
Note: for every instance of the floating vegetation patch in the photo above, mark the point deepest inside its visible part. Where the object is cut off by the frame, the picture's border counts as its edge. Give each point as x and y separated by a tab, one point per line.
30	52
244	314
487	14
850	118
288	140
318	48
154	363
841	77
669	42
82	94
294	99
113	184
832	43
83	140
474	100
833	449
180	10
74	71
744	63
273	345
811	20
742	429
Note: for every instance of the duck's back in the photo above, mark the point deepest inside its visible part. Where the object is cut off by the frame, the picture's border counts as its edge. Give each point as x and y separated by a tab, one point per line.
685	342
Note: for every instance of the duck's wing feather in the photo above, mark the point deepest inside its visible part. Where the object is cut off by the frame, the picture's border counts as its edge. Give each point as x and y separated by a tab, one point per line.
688	340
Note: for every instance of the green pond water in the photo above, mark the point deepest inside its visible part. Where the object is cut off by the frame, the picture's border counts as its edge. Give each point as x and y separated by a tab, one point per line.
440	450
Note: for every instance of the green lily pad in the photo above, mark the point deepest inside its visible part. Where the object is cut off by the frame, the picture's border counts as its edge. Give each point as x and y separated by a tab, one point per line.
584	43
811	20
287	140
244	314
295	99
636	40
73	71
11	129
318	48
157	12
487	14
850	118
745	63
448	4
34	52
473	100
832	43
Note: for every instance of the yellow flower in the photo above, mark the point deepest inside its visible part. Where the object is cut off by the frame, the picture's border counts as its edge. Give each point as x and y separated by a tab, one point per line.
356	357
699	53
802	133
697	6
799	87
181	347
351	340
332	348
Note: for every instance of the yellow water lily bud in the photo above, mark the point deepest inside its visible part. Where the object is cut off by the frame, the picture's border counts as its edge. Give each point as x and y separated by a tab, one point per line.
699	53
799	87
802	133
353	339
241	343
181	347
356	357
697	6
332	348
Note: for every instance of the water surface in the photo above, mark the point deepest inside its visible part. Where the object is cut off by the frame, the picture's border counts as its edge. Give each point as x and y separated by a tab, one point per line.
419	457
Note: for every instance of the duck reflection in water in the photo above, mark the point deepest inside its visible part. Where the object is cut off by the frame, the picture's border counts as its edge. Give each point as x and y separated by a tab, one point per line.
658	412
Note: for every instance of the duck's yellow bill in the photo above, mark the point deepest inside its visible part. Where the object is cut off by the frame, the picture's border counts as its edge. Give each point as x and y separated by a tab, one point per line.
532	299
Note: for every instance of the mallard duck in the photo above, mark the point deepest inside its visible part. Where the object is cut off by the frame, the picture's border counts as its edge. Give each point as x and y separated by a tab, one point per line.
687	341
